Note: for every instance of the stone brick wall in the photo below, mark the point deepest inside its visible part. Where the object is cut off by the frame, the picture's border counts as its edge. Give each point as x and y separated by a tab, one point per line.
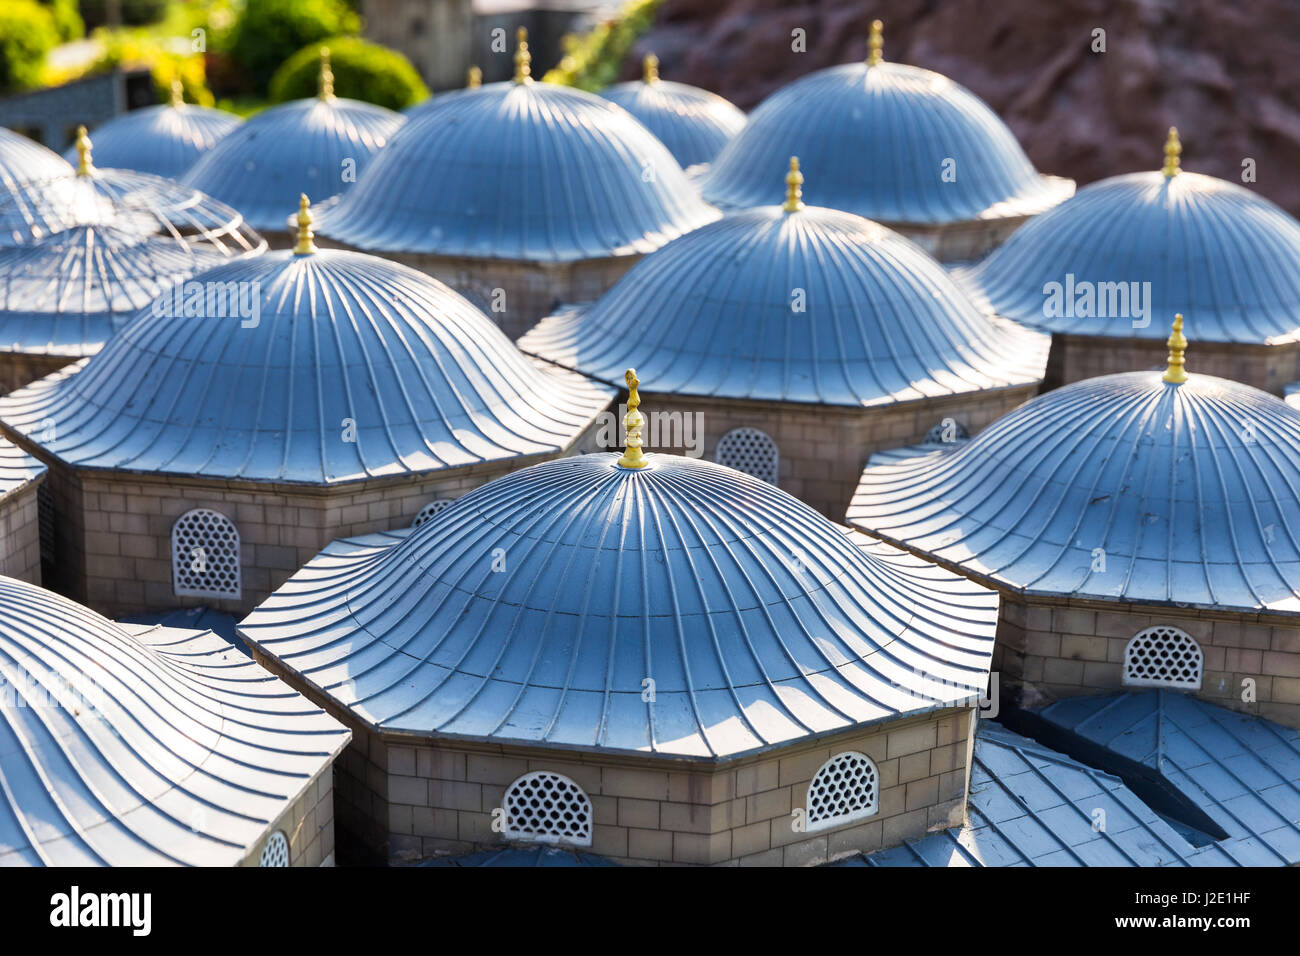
20	535
18	369
308	825
1046	652
961	241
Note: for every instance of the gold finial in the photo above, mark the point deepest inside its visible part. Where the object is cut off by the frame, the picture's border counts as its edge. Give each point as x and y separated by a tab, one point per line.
876	44
474	79
523	59
1173	149
305	246
326	75
651	66
633	422
84	165
793	187
178	92
1176	373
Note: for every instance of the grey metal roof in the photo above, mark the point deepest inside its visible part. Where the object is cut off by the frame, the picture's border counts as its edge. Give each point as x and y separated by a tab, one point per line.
523	856
429	381
759	621
519	171
141	746
23	161
873	141
713	314
1032	806
165	140
1241	771
296	147
693	123
193	619
1190	490
1210	249
17	469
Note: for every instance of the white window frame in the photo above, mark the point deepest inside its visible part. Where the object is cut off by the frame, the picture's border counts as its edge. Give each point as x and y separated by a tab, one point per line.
860	813
177	558
751	434
514	833
1144	635
275	844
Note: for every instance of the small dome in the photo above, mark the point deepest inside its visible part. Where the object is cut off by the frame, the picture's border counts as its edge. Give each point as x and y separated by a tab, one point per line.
520	171
813	305
1225	257
693	123
264	388
166	747
163	140
1124	487
758	621
17	468
879	140
318	146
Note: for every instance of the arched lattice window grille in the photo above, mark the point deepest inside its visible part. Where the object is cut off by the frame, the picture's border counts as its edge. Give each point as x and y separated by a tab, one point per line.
431	509
751	451
205	555
846	788
545	807
1163	657
276	850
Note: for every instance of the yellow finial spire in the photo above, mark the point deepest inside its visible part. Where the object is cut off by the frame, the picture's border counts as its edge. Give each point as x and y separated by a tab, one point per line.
633	422
651	66
1173	149
84	165
326	75
178	92
1176	373
305	246
523	59
876	44
474	79
793	187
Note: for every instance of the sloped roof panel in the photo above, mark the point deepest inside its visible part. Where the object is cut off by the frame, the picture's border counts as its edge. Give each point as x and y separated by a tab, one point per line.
693	123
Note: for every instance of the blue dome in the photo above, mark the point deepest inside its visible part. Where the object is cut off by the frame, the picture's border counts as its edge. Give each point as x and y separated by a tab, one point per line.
519	171
262	391
163	140
876	141
1218	253
759	621
23	163
1123	487
296	147
714	314
693	123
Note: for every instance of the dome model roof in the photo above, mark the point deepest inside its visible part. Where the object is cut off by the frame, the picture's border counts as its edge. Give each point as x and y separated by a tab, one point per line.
23	162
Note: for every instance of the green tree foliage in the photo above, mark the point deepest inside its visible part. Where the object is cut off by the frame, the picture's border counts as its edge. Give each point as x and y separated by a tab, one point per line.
362	71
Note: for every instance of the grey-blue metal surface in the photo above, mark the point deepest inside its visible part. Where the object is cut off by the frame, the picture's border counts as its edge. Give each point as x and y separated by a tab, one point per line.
1223	256
267	393
693	123
523	856
315	146
143	746
880	141
544	607
23	161
814	305
519	171
1123	487
17	469
164	140
192	619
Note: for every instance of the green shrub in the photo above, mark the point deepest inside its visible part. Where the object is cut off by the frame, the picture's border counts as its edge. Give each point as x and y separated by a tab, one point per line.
27	34
362	71
67	20
268	32
592	61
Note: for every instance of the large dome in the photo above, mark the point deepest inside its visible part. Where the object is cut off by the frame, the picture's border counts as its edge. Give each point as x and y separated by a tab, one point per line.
811	305
264	391
877	140
1124	487
1220	254
166	747
164	140
535	609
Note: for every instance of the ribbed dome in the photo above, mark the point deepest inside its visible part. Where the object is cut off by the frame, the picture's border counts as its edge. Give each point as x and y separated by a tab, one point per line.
1189	490
520	171
163	140
1225	257
714	313
297	147
758	621
428	381
874	141
166	747
22	162
17	468
693	123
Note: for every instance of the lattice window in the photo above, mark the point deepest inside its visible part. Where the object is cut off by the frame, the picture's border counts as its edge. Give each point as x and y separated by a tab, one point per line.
947	432
429	510
749	450
276	850
205	555
846	788
1163	657
544	807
